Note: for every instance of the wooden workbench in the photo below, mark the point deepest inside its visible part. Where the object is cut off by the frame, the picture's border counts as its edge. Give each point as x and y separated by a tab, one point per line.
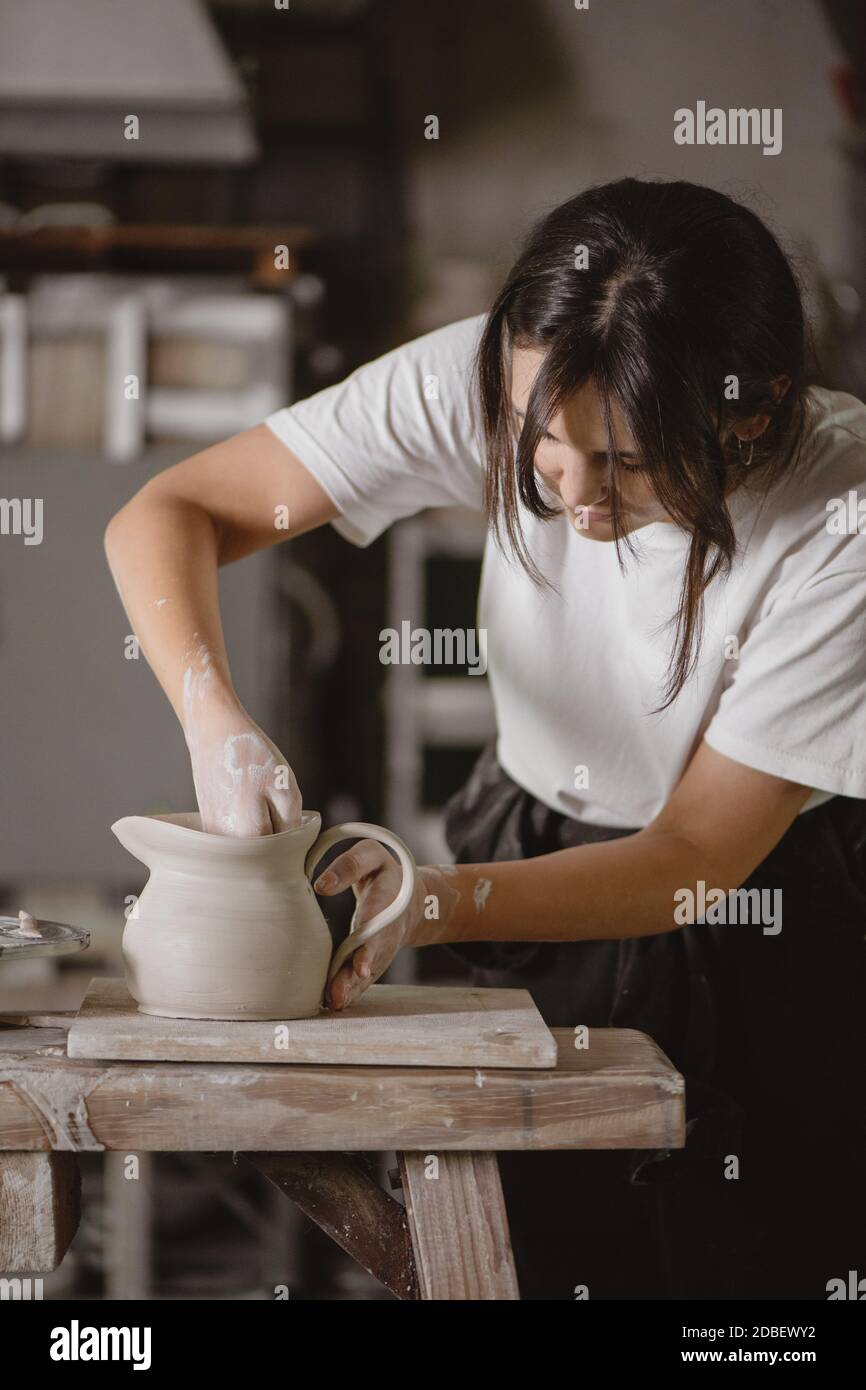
302	1126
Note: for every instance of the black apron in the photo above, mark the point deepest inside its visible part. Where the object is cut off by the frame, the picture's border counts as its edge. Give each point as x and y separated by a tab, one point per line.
770	1036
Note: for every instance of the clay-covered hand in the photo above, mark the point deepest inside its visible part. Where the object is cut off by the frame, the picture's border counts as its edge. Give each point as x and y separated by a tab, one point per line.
375	878
243	783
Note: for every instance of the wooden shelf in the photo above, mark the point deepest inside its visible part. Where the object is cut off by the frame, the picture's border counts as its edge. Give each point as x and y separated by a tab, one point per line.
143	245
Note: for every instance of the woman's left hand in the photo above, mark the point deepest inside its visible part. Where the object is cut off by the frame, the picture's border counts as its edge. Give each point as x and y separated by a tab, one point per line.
375	877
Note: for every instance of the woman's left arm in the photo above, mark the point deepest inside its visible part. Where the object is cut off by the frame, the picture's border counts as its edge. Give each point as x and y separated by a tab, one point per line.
721	821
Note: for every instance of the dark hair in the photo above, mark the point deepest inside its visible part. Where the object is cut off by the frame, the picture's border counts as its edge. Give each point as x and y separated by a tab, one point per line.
683	288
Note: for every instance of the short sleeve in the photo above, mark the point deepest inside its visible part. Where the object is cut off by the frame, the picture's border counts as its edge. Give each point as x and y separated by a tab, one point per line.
397	436
796	706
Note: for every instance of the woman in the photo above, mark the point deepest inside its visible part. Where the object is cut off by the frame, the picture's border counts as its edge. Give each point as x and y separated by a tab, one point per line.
675	605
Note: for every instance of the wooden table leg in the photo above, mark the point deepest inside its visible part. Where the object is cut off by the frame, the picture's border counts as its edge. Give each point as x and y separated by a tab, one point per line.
459	1226
40	1206
338	1193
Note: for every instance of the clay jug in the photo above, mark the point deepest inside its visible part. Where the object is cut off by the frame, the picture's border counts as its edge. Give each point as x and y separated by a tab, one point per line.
231	928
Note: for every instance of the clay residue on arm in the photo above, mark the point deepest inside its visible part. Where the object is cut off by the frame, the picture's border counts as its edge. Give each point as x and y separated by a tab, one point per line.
481	892
198	681
442	898
243	784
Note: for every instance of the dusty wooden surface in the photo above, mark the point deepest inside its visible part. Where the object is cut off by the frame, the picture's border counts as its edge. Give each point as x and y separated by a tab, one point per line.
459	1226
40	1204
341	1196
391	1025
620	1092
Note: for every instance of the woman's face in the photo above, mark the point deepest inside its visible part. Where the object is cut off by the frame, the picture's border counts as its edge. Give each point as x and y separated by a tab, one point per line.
572	458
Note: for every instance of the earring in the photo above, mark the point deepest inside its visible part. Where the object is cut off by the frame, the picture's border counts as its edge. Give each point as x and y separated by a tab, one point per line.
745	462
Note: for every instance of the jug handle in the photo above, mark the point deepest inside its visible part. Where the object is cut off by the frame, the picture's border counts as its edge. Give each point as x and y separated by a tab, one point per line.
360	830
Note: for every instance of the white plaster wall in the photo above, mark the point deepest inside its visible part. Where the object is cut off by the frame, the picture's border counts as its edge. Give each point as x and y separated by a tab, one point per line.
618	73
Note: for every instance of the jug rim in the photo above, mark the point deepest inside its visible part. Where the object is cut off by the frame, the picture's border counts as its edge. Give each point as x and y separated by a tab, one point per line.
178	822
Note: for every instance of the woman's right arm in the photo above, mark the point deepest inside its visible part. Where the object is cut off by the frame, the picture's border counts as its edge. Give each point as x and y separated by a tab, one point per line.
164	548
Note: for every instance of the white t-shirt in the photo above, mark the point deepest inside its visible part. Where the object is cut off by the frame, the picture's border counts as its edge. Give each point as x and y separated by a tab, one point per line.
577	670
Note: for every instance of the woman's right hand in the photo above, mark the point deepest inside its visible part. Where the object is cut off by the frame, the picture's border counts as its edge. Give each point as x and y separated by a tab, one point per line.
243	784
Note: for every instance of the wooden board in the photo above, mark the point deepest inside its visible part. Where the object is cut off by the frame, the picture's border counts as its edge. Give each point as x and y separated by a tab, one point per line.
391	1025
